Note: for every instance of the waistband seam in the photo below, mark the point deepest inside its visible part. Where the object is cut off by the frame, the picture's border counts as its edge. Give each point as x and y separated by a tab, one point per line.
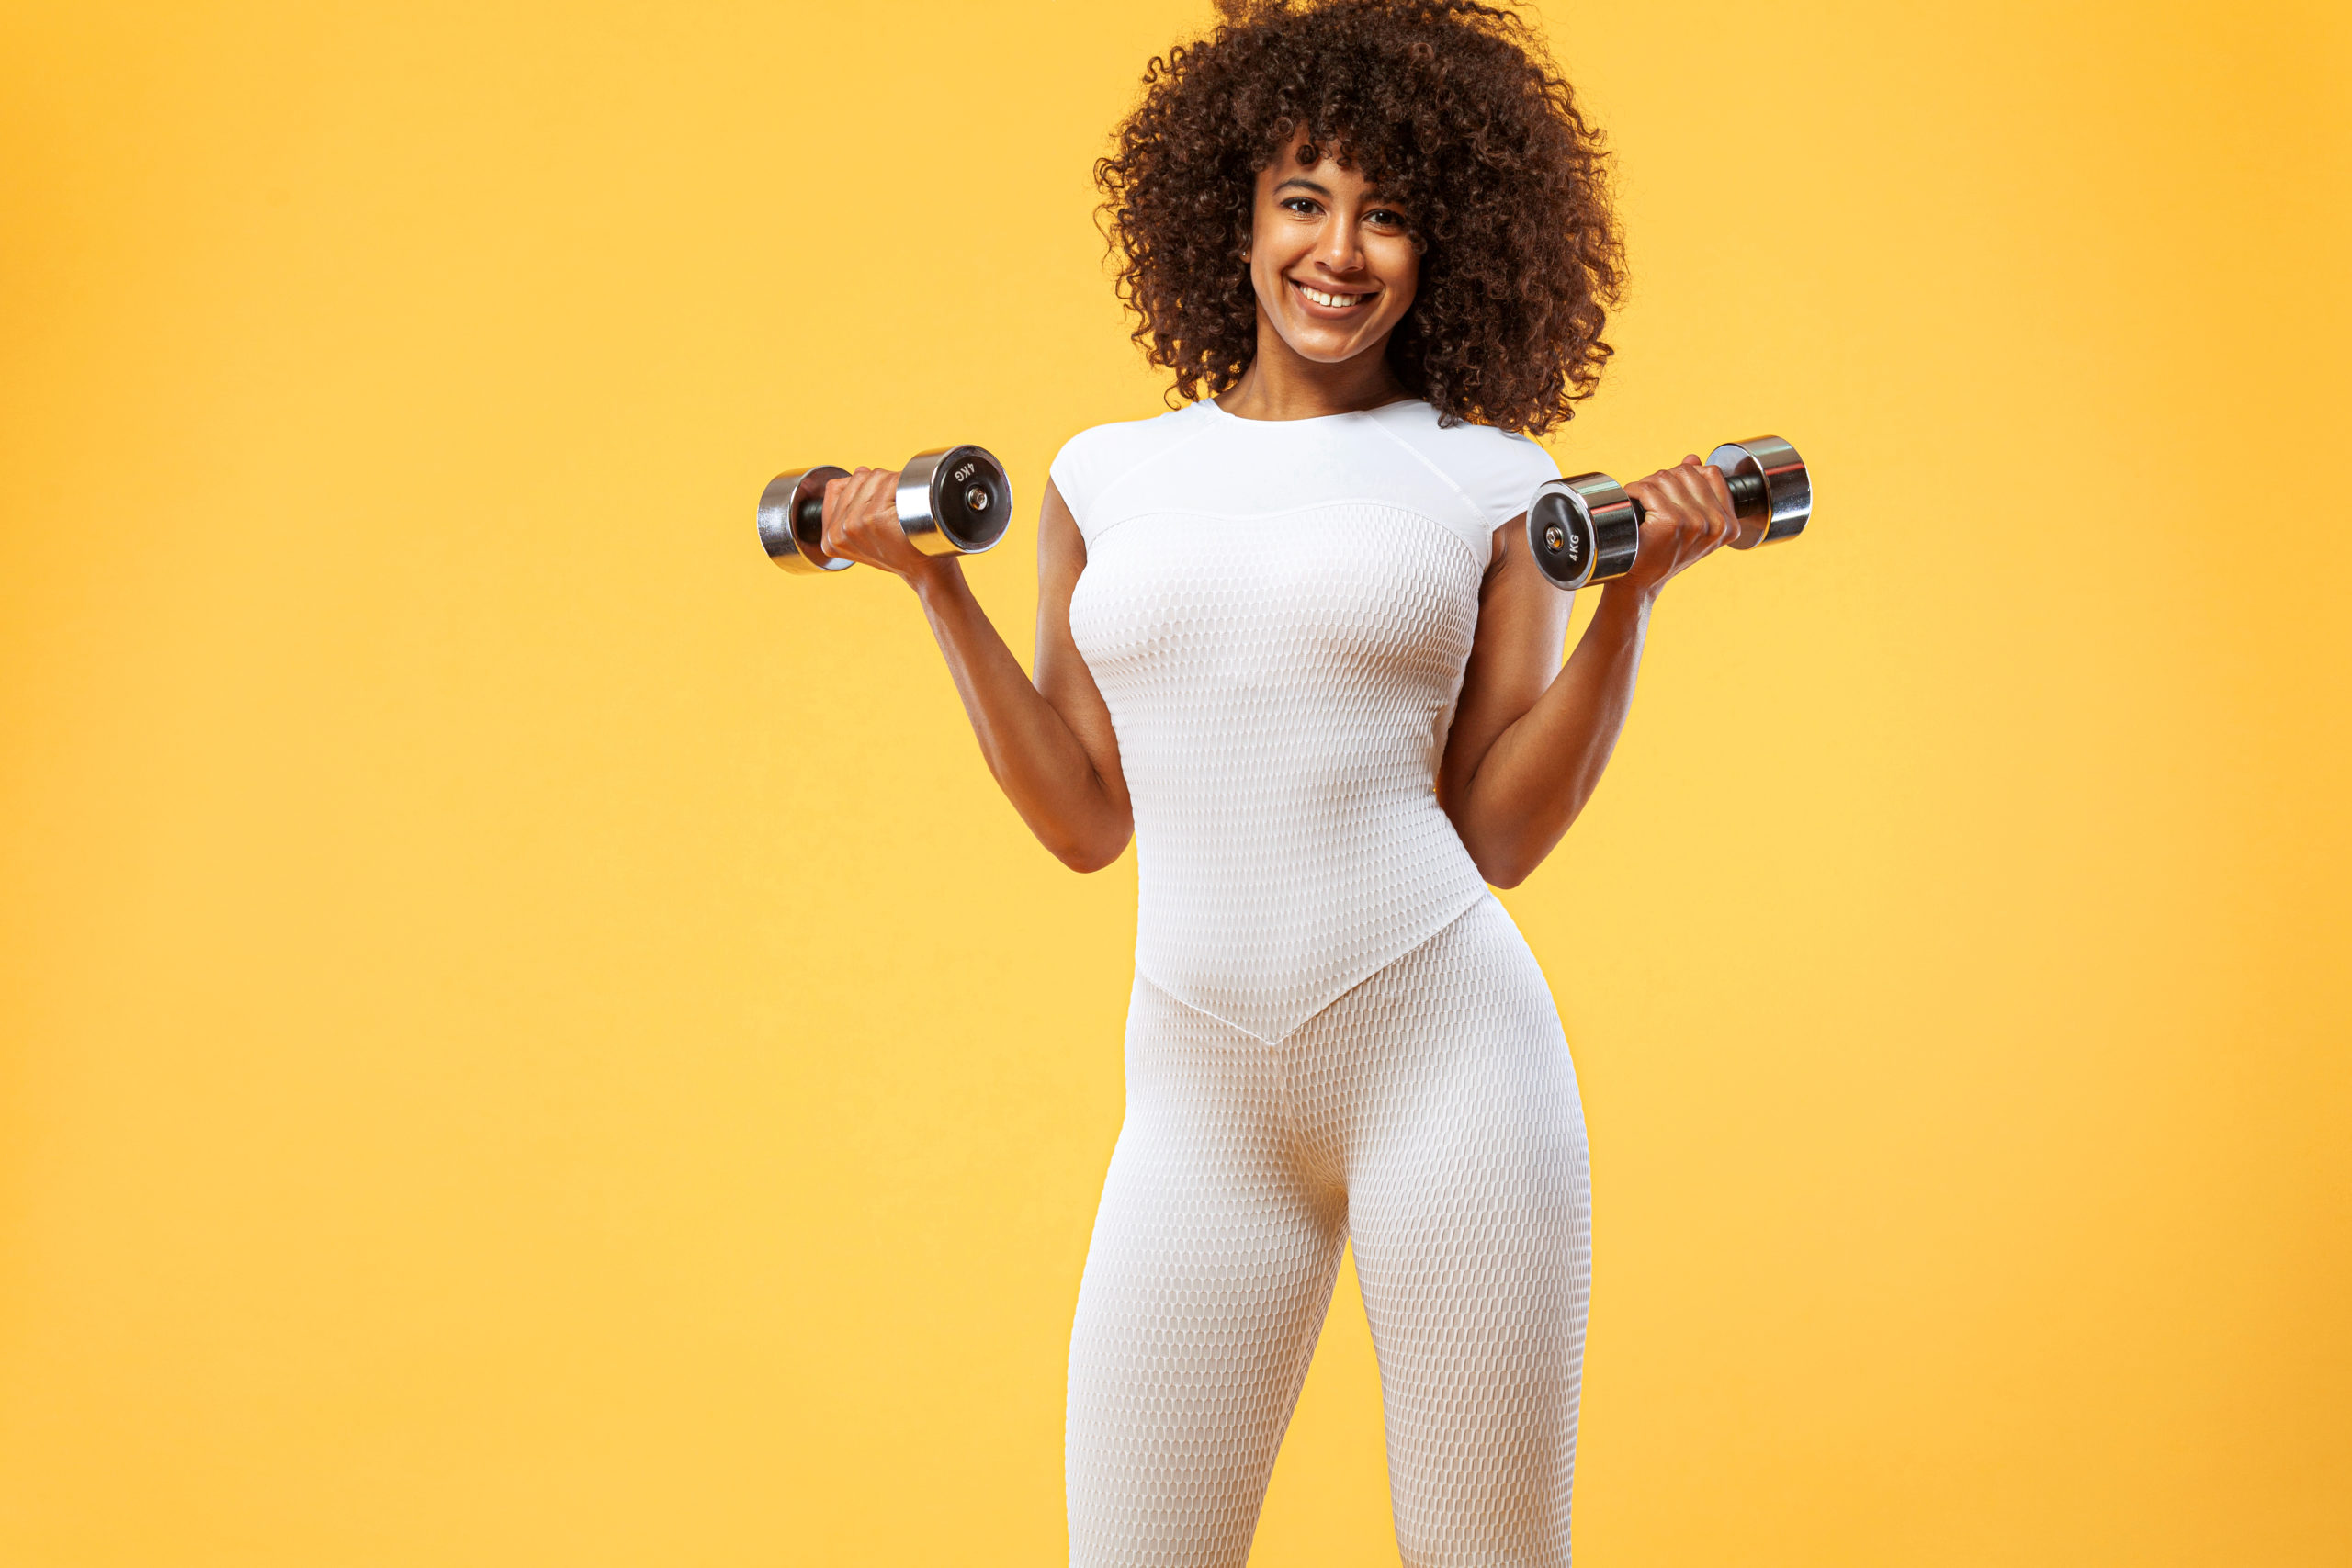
1397	956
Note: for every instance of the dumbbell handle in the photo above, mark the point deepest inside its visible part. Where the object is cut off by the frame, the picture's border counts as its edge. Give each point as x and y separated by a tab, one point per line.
809	515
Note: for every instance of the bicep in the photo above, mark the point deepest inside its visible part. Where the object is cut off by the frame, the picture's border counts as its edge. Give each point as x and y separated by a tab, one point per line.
1062	677
1514	656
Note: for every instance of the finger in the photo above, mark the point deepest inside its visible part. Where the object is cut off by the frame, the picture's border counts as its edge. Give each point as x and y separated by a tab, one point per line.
857	514
857	504
1678	500
1673	528
1705	494
1696	524
882	513
1678	479
836	497
881	487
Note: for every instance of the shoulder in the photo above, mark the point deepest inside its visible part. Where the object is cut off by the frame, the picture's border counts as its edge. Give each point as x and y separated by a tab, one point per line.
1095	458
1498	469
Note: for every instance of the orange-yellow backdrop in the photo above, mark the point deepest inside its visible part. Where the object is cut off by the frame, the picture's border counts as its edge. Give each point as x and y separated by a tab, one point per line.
530	1038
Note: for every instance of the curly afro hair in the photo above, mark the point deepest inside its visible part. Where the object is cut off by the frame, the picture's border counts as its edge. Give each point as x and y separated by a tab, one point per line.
1456	112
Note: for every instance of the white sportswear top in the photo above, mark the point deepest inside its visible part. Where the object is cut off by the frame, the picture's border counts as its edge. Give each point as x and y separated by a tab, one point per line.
1278	614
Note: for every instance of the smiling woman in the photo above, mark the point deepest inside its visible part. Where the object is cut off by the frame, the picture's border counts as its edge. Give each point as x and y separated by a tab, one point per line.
1290	637
1483	164
1336	266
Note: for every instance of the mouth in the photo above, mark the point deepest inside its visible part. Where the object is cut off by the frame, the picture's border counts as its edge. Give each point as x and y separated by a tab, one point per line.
1334	302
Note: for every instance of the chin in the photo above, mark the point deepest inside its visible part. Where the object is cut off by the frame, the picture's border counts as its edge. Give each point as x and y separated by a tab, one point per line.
1323	350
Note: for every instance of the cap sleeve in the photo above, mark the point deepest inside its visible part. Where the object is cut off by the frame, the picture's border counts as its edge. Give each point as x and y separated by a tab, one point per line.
1074	473
1502	481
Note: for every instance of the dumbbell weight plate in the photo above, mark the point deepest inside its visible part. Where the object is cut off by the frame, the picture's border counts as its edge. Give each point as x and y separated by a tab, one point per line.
1771	491
956	501
1584	529
792	519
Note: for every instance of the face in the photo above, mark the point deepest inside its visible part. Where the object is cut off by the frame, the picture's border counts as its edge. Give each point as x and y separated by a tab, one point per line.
1333	265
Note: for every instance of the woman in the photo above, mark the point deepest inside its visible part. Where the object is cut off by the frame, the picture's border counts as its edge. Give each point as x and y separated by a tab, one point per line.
1290	634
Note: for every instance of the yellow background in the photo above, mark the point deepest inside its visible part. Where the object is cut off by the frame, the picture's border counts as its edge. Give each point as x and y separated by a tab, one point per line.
531	1039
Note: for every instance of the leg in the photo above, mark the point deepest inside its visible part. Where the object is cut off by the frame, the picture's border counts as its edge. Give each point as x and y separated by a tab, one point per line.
1451	1094
1206	1285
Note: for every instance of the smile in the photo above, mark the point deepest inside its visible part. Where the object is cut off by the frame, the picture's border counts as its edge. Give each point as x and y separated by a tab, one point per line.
1333	302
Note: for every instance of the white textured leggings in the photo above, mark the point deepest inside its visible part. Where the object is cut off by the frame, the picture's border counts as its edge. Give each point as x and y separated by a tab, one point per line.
1430	1113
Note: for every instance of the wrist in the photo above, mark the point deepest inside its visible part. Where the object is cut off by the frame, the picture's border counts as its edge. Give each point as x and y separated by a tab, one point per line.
1622	599
936	576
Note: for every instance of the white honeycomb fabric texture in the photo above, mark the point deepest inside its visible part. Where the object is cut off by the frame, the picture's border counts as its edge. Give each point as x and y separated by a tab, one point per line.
1335	1030
1431	1113
1278	614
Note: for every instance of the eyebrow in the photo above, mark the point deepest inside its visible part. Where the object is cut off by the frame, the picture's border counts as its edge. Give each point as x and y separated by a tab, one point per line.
1372	193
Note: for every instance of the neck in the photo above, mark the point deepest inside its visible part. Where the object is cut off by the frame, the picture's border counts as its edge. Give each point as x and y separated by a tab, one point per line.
1280	384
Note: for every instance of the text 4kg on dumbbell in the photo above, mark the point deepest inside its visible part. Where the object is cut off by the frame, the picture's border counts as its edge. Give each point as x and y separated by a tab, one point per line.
954	501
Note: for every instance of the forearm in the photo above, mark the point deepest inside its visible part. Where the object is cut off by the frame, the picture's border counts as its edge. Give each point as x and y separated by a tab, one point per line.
1540	772
1028	746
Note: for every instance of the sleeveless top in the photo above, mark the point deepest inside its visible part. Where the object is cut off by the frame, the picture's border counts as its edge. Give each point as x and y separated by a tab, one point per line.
1278	614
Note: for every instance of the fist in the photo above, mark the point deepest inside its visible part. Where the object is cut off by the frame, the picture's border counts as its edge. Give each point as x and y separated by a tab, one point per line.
862	524
1687	516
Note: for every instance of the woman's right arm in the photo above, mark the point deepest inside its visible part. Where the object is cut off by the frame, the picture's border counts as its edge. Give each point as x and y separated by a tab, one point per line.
1049	740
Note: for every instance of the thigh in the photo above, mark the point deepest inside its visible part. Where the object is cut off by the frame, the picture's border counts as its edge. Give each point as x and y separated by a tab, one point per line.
1469	1204
1206	1285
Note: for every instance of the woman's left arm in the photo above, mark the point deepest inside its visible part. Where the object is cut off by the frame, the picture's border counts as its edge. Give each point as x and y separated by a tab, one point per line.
1531	737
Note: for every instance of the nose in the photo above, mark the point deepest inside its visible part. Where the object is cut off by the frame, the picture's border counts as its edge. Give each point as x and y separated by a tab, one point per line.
1336	247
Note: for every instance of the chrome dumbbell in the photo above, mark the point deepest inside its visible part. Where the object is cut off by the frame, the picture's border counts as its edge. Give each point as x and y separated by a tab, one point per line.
954	501
1587	529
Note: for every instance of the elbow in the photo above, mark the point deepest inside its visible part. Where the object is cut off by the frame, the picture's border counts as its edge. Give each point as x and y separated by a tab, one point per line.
1507	851
1506	860
1093	853
1501	871
1499	865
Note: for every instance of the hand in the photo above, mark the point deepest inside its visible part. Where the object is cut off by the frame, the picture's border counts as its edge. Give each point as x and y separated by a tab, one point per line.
1687	517
862	524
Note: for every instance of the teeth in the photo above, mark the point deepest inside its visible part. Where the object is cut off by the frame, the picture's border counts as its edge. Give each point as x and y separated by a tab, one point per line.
1337	300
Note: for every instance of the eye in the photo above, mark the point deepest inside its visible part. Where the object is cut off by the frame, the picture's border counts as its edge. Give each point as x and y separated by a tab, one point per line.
1383	218
1303	204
